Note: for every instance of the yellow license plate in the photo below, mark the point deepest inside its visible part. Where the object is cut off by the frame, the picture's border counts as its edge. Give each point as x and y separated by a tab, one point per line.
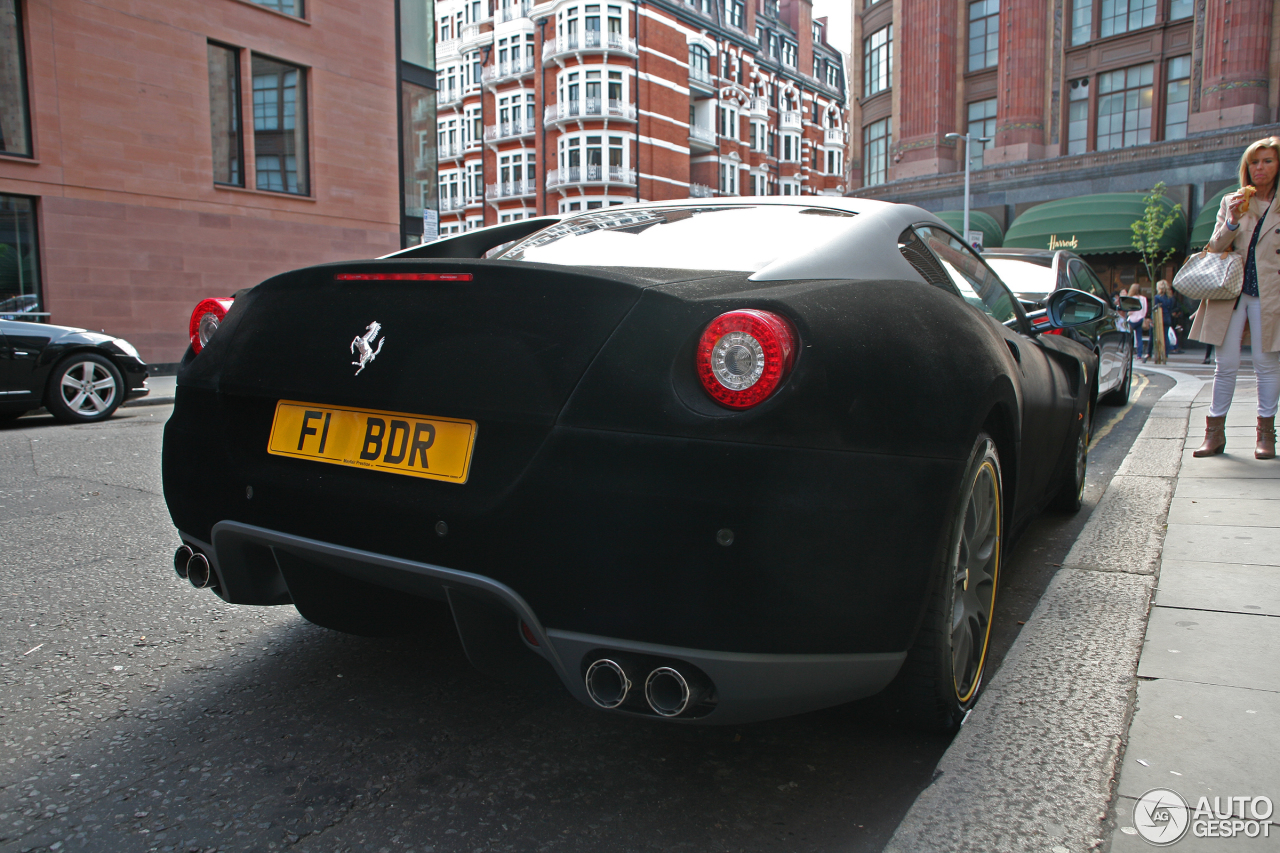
435	448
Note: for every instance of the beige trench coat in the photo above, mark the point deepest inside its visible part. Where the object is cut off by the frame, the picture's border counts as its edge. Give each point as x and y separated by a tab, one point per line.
1214	315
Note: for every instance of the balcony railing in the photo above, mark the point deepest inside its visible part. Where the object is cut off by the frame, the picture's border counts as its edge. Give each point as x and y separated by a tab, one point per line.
590	40
591	175
833	136
471	33
700	191
705	135
589	108
471	145
512	68
760	107
509	129
453	203
701	76
511	189
445	97
448	151
790	120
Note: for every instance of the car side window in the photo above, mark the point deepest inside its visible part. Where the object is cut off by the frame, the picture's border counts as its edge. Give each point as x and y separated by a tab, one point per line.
976	282
1095	284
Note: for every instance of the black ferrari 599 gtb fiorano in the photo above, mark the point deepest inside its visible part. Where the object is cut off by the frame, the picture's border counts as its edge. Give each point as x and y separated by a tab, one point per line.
711	461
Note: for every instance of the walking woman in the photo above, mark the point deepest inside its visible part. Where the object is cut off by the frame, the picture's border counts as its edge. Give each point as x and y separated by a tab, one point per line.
1249	225
1136	319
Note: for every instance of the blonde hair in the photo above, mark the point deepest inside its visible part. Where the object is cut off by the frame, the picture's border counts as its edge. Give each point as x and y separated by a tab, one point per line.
1162	287
1135	289
1272	142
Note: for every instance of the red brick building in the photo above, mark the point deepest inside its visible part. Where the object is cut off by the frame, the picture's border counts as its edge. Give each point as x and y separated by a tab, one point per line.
1078	97
154	152
572	104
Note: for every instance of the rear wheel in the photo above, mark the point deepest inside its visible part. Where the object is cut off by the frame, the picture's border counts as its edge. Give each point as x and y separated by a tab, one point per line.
84	388
943	672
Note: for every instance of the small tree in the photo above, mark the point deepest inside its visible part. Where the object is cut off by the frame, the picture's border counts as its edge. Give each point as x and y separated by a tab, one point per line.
1150	230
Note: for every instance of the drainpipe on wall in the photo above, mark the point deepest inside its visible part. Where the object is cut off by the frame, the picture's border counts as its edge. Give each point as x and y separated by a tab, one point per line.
540	108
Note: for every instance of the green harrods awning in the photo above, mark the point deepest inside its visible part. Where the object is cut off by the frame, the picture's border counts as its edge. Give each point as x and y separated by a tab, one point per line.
1089	225
1203	229
992	233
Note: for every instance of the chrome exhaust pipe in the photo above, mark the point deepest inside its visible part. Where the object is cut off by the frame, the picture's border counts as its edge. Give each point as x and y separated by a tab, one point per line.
607	683
670	694
180	558
199	572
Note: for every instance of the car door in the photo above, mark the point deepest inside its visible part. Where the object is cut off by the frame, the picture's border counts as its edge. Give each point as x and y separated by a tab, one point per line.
20	346
1046	390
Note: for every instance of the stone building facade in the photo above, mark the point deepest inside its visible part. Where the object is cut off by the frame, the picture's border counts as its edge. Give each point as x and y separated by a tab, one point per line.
156	152
574	104
1077	97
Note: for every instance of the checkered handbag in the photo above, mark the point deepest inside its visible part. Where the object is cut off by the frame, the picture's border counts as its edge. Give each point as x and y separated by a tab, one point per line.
1210	275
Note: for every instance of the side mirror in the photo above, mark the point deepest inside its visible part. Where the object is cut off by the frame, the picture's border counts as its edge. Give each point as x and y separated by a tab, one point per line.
1067	308
1130	303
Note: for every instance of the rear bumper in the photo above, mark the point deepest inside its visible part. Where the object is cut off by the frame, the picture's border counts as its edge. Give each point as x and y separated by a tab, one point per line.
488	614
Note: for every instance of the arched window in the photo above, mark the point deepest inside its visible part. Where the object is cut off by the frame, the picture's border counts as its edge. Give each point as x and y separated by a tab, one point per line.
699	62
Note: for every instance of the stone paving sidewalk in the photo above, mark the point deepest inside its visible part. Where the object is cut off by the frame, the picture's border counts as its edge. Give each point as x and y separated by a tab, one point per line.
1207	717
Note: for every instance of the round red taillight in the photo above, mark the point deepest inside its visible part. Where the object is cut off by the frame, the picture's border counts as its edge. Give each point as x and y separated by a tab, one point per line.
205	320
744	355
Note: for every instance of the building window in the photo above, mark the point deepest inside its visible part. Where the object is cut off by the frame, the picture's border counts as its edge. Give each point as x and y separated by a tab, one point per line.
416	44
224	115
15	120
1179	9
790	148
279	126
1177	97
982	122
734	13
1078	116
876	139
877	61
789	53
699	63
984	34
1121	16
19	257
835	161
287	7
729	122
1081	21
729	178
1124	107
833	75
418	116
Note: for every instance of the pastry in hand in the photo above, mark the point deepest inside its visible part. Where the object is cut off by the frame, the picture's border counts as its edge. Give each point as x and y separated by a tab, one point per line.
1246	193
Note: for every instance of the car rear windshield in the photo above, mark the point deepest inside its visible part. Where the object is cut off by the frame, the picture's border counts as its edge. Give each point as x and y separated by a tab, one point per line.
1023	276
703	237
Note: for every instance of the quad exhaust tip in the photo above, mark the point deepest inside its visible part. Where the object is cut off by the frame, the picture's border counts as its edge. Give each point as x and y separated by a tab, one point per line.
180	559
199	572
668	692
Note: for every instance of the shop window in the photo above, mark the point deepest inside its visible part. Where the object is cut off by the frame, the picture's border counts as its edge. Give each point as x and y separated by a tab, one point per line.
984	34
1177	97
15	118
876	140
1122	16
982	122
19	258
877	61
1124	107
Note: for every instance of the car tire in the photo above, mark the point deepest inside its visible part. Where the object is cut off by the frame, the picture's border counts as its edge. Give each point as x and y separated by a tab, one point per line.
84	388
1120	395
942	675
1070	496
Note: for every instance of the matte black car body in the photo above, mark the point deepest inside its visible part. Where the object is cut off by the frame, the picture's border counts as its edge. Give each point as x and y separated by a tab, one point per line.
30	352
1108	336
783	554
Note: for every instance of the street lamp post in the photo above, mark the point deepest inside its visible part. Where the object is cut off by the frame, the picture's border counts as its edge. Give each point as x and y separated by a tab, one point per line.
968	140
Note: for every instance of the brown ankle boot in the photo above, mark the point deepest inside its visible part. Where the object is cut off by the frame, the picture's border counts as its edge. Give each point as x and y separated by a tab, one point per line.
1266	448
1215	437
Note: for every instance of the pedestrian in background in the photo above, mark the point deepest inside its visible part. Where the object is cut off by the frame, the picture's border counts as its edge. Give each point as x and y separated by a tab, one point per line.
1136	319
1249	225
1165	303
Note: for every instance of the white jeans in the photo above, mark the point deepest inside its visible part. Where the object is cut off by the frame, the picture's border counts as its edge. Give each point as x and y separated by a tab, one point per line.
1266	365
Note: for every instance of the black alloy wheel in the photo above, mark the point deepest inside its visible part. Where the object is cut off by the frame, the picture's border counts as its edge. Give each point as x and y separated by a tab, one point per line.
84	388
942	675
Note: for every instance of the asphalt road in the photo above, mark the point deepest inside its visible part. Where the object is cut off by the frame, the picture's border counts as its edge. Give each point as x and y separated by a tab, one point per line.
139	714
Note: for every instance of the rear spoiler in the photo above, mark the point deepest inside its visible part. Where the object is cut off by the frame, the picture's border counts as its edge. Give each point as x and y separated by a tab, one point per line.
475	244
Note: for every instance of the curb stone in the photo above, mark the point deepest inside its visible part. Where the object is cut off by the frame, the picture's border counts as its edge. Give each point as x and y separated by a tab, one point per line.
1034	768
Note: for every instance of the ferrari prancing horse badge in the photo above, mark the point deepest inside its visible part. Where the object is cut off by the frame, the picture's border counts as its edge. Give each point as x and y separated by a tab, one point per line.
364	343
